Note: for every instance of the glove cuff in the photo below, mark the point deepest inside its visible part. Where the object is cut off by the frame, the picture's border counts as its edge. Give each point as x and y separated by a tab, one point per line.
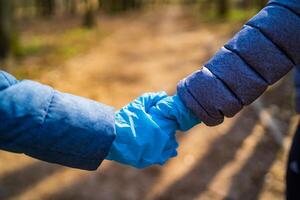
186	119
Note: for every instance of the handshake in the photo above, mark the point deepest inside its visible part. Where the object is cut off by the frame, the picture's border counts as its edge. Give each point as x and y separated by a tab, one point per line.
146	130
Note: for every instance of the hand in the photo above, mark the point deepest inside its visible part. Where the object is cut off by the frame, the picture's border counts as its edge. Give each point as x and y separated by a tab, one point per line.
172	108
146	129
142	139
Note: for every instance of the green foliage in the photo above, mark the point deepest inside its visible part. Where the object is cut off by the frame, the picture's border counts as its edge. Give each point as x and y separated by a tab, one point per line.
15	45
72	42
34	47
63	46
241	15
231	10
237	15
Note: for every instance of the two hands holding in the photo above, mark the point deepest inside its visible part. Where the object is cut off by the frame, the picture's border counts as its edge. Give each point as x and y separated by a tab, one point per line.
146	130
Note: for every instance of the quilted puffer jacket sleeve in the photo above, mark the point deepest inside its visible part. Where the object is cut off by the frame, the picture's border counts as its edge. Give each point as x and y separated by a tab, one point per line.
52	126
266	48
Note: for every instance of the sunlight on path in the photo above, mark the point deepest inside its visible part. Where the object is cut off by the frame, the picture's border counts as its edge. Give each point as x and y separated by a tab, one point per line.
56	183
193	147
220	185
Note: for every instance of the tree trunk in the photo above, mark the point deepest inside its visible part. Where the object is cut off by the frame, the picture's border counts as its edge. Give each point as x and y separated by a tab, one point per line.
116	6
6	30
89	20
246	4
71	7
222	8
46	8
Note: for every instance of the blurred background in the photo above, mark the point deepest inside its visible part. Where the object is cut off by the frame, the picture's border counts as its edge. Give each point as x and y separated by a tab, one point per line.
114	50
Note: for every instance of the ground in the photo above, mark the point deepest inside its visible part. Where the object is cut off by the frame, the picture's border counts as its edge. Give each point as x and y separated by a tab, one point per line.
152	51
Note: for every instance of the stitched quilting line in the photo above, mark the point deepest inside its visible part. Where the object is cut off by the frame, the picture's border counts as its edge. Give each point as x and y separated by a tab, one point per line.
48	107
284	6
274	43
226	86
5	78
246	62
199	104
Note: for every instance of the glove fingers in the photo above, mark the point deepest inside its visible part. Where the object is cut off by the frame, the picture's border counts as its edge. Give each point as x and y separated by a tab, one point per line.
167	155
144	138
173	109
140	142
170	150
150	99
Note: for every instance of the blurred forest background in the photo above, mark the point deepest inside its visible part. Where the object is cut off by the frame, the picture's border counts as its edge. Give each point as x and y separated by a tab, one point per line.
14	15
114	50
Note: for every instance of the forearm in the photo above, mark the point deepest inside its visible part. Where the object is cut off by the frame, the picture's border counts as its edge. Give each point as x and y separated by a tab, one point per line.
53	126
259	55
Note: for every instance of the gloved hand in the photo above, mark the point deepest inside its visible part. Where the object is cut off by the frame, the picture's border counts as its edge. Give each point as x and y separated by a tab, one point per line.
145	130
172	108
140	138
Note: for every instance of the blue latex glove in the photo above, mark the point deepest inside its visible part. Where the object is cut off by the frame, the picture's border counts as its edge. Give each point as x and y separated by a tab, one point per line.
145	130
172	108
140	138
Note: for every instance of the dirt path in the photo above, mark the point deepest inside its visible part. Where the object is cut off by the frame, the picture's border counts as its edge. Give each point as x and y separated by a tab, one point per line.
151	52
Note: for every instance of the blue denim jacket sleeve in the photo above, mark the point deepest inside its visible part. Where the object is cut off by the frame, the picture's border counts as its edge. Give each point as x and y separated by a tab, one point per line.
266	48
52	126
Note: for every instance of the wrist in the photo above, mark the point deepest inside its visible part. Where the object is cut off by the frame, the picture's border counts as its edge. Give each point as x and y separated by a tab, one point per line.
185	117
